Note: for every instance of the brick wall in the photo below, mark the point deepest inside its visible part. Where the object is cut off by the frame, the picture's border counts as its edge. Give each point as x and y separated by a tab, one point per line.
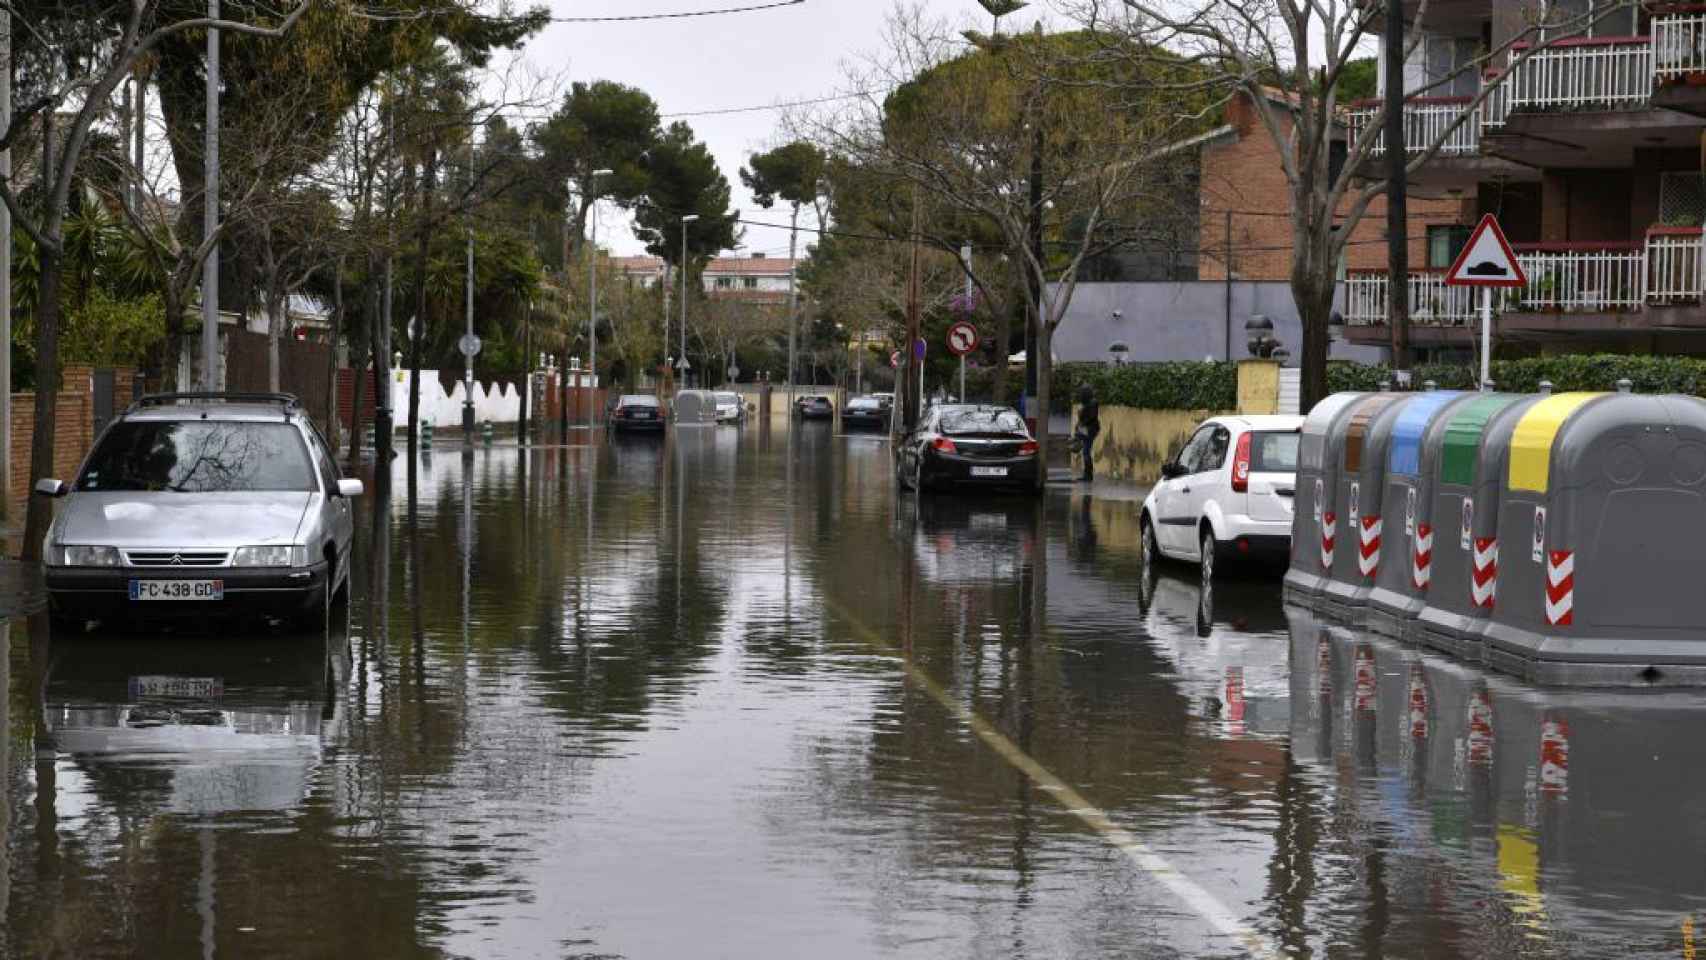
1242	173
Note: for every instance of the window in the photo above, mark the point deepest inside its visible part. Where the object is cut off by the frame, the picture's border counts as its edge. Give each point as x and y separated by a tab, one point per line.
1192	454
1273	452
1610	18
1445	243
199	456
1214	455
1449	63
1682	199
969	420
725	283
751	283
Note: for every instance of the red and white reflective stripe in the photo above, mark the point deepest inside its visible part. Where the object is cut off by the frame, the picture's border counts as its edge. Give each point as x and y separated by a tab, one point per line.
1560	587
1554	756
1484	578
1329	535
1368	560
1418	702
1422	564
1481	728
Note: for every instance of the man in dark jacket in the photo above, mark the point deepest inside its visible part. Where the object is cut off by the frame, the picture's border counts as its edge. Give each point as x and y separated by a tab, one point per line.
1089	426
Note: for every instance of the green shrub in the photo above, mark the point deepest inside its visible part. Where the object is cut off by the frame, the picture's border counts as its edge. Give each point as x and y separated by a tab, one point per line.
1649	374
1190	385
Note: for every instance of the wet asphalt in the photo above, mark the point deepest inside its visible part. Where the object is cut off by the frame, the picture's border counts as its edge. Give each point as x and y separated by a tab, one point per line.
727	695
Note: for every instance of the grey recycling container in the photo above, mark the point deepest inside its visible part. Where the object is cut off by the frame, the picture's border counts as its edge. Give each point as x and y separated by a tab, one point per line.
1362	472
1602	523
1406	507
1474	447
1317	448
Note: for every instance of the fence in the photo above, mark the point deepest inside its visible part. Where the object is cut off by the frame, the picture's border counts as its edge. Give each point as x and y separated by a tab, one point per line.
304	369
1426	119
1673	265
1584	74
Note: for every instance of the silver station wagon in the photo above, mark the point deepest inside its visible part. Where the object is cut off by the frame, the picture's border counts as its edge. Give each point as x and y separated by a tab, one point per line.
198	504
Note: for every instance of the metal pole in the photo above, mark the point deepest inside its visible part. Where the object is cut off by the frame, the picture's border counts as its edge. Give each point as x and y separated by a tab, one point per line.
1397	199
382	412
683	356
1227	265
136	132
592	310
1486	335
965	257
6	267
663	285
210	214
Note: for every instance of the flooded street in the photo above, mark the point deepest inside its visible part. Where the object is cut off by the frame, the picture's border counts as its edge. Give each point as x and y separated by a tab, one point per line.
701	698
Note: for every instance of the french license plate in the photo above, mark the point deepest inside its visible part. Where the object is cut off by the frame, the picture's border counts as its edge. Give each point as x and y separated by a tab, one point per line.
178	688
989	471
643	415
177	589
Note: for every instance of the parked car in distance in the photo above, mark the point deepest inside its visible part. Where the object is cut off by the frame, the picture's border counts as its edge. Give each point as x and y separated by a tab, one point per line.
968	445
1226	495
195	504
814	408
886	399
694	406
637	413
865	413
730	407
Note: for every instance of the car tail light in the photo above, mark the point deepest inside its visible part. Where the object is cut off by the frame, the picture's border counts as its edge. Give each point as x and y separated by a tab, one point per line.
1028	448
1241	466
943	445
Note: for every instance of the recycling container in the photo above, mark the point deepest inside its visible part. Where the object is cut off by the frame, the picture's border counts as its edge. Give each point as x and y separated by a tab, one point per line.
1602	522
1473	449
1367	436
1406	508
1312	535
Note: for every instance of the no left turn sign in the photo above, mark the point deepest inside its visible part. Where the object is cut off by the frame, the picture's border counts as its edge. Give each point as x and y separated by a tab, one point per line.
962	339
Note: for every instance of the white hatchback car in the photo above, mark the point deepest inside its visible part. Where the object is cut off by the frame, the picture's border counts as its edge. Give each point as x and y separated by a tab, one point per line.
1227	494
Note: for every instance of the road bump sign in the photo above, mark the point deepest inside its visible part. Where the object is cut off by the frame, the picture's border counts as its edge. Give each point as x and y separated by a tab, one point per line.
1486	260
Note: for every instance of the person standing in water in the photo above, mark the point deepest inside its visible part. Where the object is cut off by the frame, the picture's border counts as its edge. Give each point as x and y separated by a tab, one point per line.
1089	426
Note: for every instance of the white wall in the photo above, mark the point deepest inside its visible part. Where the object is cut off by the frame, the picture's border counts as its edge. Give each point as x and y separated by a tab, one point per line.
499	403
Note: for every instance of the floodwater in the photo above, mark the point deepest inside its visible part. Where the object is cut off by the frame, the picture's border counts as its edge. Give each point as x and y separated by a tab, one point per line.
704	698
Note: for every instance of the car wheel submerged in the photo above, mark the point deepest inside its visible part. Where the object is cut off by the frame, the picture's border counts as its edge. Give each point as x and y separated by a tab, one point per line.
1209	548
1150	552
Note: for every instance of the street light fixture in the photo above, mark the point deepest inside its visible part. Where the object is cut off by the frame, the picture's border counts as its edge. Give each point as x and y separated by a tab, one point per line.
689	218
592	287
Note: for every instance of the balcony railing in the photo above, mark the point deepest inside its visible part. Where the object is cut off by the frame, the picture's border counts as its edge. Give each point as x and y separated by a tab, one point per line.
1674	269
1679	46
1587	73
1426	119
1562	278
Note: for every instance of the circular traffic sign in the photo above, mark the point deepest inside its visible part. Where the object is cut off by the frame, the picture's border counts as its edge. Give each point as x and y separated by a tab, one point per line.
894	359
962	338
733	372
469	345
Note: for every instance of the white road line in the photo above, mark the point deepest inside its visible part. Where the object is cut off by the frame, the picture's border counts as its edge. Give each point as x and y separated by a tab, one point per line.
1194	896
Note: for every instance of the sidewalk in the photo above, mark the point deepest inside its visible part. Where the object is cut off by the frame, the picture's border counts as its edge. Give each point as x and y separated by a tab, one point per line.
22	590
1063	480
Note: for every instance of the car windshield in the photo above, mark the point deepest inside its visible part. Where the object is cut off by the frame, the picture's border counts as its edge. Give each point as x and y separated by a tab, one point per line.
638	400
727	399
863	403
1273	452
199	456
982	420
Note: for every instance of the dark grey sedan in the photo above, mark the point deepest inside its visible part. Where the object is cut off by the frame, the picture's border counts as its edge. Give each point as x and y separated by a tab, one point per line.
968	445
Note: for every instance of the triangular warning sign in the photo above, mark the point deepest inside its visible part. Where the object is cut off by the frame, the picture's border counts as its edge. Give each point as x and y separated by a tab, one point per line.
1487	260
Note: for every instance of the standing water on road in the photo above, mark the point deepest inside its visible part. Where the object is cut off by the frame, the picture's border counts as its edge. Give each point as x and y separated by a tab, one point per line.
716	695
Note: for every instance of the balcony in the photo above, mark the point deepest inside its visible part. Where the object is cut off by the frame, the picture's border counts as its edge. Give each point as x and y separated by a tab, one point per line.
1586	280
1583	73
1426	119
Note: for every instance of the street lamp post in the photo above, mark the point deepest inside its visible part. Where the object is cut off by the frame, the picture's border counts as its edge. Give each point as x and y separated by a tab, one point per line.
592	286
684	222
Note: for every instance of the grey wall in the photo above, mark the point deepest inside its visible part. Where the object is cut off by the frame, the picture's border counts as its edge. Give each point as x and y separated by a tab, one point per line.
1182	321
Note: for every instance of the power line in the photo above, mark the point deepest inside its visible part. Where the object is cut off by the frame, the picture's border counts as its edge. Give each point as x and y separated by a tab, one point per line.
686	14
764	107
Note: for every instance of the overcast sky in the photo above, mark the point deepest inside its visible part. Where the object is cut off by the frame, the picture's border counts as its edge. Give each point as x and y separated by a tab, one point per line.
715	63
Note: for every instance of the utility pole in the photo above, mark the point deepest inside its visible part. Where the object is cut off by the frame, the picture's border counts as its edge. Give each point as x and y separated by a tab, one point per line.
681	361
6	267
1227	264
793	308
382	412
663	286
965	255
210	214
592	310
1397	199
468	332
914	378
1033	288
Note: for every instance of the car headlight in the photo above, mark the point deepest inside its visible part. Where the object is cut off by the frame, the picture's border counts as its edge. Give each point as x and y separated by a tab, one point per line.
268	556
86	556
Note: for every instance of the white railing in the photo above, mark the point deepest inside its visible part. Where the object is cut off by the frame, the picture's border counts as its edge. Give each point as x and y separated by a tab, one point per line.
1674	269
1583	75
1497	106
1679	46
1425	121
1582	280
1432	303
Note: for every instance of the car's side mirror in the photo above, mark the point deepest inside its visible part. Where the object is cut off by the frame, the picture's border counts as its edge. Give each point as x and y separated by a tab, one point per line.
1171	469
350	487
52	488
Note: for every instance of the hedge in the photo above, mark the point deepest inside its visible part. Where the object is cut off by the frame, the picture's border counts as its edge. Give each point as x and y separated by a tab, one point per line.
1189	385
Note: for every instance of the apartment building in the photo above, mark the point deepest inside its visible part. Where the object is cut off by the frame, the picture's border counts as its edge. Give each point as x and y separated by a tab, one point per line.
757	279
1590	148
